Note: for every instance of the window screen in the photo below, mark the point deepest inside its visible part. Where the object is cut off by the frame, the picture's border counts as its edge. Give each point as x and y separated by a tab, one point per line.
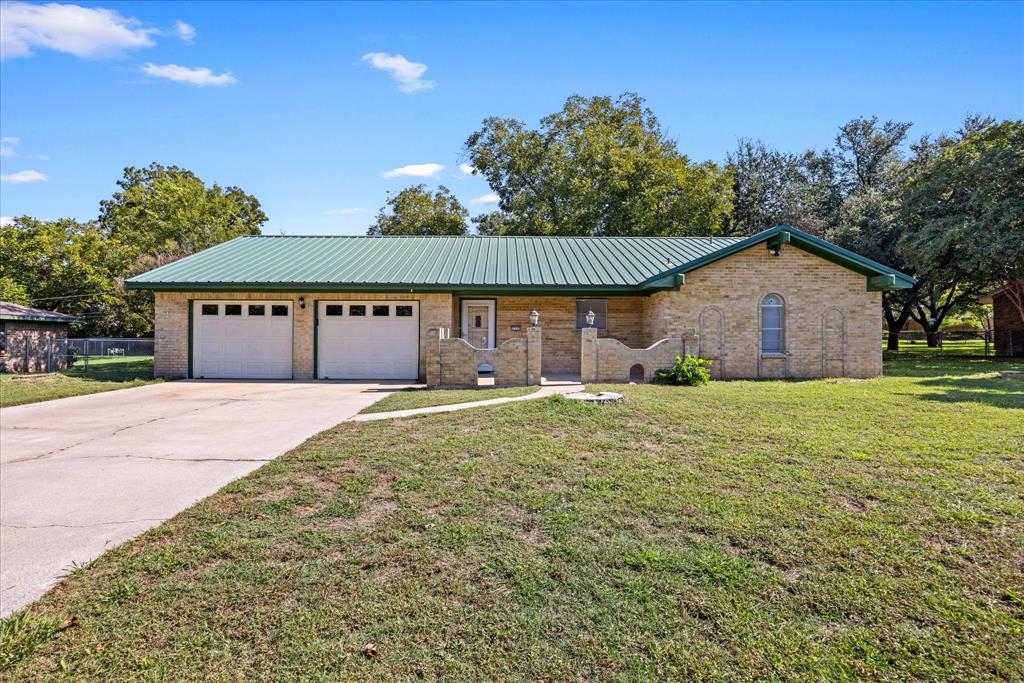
600	309
772	324
232	309
333	309
211	309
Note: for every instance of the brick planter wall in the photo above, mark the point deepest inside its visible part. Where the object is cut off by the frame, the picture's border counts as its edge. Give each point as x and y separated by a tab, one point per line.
609	360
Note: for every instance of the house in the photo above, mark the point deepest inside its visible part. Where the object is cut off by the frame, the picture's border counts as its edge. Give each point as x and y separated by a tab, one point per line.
781	303
33	340
1007	325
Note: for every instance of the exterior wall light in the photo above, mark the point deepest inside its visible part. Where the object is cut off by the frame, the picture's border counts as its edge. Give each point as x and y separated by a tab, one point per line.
302	302
534	317
591	316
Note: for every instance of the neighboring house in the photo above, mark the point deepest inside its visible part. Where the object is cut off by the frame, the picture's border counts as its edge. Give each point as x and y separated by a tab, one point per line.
781	303
1007	326
33	340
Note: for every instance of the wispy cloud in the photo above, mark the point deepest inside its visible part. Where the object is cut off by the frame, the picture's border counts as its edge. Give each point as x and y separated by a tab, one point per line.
466	169
22	177
6	220
415	170
408	75
7	146
198	76
343	212
81	31
490	198
186	32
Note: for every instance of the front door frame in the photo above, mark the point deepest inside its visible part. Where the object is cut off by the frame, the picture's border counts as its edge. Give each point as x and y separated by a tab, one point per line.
491	318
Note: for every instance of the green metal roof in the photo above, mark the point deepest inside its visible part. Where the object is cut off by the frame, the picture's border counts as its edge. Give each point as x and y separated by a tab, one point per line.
470	264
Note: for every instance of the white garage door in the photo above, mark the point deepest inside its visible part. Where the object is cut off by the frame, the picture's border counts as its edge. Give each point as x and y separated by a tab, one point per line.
368	339
242	339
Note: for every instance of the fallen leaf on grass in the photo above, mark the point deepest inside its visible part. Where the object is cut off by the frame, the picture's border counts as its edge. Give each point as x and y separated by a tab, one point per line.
370	650
67	623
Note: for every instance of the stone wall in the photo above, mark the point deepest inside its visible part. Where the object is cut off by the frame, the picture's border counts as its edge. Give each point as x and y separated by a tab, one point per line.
454	362
832	322
609	360
34	346
171	330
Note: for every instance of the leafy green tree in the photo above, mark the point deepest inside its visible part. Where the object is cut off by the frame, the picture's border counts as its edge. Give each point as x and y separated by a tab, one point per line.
417	211
600	166
13	291
168	212
964	212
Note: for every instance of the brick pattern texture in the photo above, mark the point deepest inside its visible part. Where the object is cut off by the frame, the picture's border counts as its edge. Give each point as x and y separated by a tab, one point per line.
609	360
1007	326
33	346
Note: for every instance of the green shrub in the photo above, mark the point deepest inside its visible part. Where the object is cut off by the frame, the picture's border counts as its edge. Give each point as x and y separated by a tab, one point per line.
690	371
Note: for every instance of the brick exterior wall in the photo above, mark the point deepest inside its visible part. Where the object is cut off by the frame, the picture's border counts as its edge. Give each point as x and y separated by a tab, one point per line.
453	362
1007	326
609	360
33	346
831	321
171	330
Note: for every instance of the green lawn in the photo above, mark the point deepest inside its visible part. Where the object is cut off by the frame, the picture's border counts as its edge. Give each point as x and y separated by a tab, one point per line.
817	530
103	374
950	347
421	398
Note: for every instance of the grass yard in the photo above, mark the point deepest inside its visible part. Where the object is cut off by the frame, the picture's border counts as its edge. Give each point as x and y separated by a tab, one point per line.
950	347
422	398
103	374
818	530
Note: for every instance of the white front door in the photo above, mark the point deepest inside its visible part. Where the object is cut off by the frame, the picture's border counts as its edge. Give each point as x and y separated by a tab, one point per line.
478	322
242	339
368	339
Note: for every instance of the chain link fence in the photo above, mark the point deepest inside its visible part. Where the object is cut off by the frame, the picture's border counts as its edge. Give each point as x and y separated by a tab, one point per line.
963	343
110	356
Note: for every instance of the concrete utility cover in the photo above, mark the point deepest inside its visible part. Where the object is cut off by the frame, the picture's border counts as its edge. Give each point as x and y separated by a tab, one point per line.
601	397
83	474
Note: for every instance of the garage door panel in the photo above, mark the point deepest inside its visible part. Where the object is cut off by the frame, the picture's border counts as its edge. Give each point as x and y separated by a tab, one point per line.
367	346
251	345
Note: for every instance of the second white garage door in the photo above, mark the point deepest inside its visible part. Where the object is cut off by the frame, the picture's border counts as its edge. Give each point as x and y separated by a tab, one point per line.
368	339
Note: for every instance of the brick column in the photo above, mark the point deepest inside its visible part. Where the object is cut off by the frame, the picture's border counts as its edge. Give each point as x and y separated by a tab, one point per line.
588	355
432	356
533	355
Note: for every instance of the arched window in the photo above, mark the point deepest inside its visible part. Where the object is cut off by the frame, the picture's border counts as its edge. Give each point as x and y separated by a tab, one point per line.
772	324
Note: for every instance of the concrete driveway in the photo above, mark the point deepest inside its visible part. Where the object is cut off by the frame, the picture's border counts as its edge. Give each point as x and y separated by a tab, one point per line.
80	475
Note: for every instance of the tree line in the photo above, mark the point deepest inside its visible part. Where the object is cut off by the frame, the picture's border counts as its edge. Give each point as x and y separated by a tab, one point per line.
946	209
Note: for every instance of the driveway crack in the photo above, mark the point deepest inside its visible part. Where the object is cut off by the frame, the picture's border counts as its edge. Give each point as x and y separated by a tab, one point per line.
82	526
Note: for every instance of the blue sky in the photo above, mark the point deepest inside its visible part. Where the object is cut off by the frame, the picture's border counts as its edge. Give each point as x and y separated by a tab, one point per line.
293	113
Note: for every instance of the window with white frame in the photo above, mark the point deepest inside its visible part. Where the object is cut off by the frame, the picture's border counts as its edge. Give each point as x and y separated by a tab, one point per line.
600	309
772	324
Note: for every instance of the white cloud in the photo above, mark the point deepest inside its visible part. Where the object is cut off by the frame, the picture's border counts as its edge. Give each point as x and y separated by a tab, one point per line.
466	169
22	177
199	76
7	145
490	198
6	220
80	31
343	212
415	170
408	75
186	32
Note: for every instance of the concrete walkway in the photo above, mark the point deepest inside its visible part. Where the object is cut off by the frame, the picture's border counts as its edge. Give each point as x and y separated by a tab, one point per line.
547	390
80	475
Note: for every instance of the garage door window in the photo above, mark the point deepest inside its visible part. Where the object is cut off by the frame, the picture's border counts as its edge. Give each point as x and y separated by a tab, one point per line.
211	309
278	310
357	310
232	309
403	311
333	309
257	309
381	311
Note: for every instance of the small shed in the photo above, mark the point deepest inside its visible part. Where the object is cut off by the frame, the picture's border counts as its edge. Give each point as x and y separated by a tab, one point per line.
32	339
1007	324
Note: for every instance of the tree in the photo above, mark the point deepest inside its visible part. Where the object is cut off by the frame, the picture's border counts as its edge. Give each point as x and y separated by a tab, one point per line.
965	213
417	211
600	166
168	212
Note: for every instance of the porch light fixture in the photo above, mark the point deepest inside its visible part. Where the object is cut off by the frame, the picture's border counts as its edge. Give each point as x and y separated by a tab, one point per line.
591	316
302	302
534	317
